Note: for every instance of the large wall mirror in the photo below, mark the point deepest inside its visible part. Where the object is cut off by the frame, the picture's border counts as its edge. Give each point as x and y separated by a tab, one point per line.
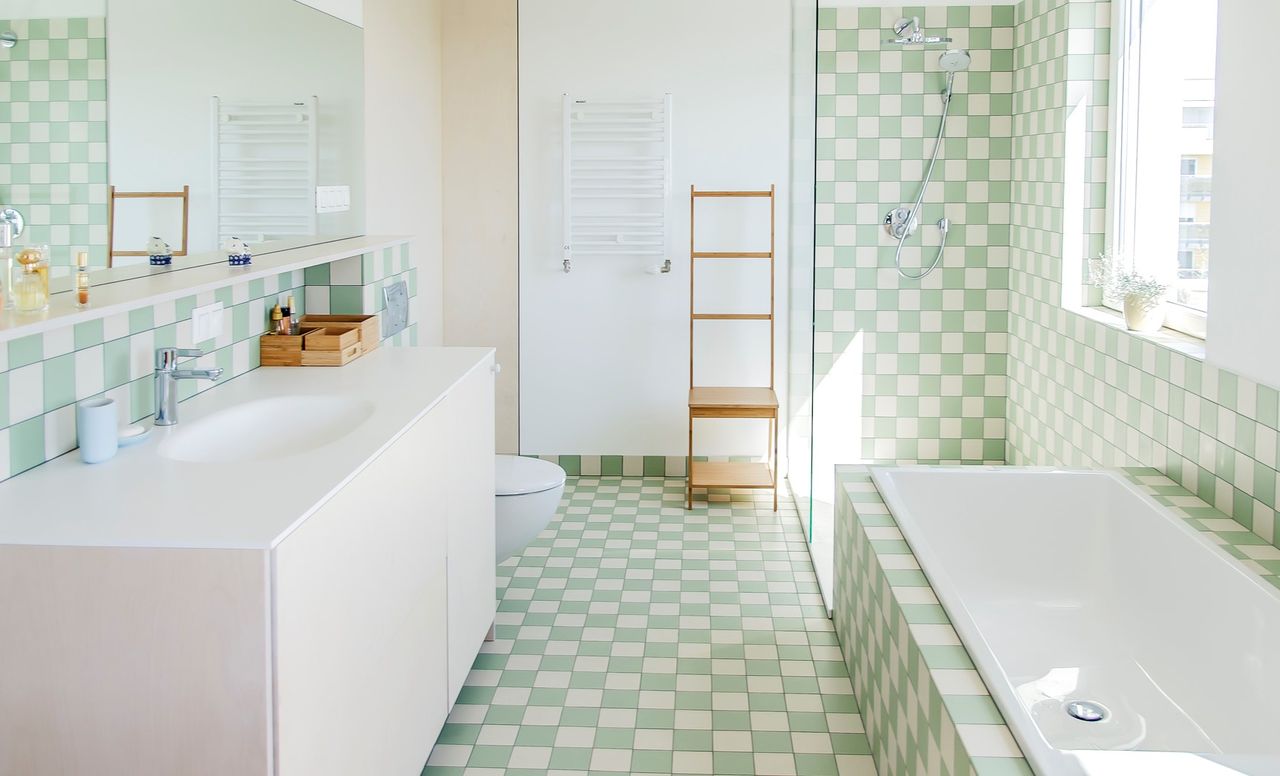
194	121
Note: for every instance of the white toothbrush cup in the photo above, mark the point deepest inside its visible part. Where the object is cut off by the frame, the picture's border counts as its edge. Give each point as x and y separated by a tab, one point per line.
97	430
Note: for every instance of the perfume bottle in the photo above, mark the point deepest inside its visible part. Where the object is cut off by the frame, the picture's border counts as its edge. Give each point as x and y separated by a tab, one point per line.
31	283
82	279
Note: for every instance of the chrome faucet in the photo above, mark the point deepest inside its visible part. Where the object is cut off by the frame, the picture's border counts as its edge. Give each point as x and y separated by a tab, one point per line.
167	376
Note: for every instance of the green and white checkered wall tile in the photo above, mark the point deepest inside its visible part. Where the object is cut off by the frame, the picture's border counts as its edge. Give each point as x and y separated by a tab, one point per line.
53	133
46	374
920	364
925	707
42	376
1083	393
354	286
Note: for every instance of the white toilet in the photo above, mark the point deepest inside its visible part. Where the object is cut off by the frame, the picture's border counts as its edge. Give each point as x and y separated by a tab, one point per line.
529	491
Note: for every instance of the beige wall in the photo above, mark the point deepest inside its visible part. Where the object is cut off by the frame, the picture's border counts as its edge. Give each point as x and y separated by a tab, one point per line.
481	209
403	139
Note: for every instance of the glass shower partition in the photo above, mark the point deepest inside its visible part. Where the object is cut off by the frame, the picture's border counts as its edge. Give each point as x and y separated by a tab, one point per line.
800	368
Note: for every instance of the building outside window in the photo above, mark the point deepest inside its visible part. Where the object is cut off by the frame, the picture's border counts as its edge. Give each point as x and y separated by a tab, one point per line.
1162	154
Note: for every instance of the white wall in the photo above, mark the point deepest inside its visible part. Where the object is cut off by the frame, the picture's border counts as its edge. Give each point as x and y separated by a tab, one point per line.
604	350
165	60
402	135
1244	318
351	11
481	210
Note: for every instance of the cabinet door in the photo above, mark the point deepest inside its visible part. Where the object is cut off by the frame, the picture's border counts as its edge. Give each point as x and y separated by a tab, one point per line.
134	661
472	567
360	609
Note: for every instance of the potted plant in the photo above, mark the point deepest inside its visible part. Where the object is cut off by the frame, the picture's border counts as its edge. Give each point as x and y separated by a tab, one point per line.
1141	296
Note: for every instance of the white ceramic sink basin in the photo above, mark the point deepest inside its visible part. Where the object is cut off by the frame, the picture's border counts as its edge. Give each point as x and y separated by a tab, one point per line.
266	429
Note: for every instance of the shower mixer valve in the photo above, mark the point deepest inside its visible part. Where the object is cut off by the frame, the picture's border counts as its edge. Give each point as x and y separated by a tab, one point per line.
901	223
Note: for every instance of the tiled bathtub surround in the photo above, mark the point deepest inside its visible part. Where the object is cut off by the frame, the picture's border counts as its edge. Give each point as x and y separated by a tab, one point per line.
926	708
42	376
53	133
1082	393
912	370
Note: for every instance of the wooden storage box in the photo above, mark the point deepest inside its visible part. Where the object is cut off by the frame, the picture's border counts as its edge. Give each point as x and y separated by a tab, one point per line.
280	350
314	347
367	325
331	347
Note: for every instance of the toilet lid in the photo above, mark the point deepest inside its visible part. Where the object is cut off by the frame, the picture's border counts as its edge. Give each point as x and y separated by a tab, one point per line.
517	476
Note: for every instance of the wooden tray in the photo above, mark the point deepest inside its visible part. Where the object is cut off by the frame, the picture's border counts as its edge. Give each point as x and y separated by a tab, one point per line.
367	325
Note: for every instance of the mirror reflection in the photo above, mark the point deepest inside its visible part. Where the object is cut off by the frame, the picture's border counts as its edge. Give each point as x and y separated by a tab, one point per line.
139	130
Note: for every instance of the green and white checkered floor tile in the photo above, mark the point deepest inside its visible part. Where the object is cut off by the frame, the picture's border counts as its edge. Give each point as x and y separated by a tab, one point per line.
636	637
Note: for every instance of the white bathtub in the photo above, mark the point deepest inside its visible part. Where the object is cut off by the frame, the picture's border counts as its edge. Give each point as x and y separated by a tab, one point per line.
1076	586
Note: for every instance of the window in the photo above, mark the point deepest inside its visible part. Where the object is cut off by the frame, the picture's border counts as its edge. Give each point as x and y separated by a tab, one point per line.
1197	116
1162	154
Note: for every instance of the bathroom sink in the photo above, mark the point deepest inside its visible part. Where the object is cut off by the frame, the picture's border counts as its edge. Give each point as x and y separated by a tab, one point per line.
266	429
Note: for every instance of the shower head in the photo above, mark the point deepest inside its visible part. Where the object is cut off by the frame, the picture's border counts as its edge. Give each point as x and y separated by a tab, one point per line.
910	34
954	60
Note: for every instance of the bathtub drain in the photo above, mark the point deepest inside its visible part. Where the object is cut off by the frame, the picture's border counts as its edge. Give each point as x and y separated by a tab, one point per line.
1087	711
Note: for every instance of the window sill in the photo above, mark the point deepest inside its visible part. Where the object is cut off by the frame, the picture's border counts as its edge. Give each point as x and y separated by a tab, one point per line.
1173	340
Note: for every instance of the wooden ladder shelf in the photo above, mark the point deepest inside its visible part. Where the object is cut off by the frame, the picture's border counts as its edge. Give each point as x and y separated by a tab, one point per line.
733	402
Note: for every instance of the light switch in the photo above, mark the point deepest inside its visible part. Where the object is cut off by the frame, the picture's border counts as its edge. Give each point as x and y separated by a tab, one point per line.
333	199
206	322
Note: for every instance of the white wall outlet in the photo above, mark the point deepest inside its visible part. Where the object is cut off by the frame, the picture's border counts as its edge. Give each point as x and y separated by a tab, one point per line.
206	322
333	199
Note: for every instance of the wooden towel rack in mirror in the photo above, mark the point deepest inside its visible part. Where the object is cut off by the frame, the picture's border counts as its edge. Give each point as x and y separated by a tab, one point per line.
113	195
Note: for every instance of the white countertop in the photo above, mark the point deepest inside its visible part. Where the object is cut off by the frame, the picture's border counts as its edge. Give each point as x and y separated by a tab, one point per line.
141	499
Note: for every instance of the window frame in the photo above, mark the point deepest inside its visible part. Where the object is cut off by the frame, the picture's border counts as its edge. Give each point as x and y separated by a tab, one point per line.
1124	74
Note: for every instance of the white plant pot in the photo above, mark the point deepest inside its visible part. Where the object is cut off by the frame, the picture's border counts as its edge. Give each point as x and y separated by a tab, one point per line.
1142	318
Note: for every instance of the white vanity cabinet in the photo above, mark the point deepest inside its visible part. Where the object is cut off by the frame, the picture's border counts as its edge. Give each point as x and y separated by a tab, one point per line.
361	612
472	570
384	596
335	651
